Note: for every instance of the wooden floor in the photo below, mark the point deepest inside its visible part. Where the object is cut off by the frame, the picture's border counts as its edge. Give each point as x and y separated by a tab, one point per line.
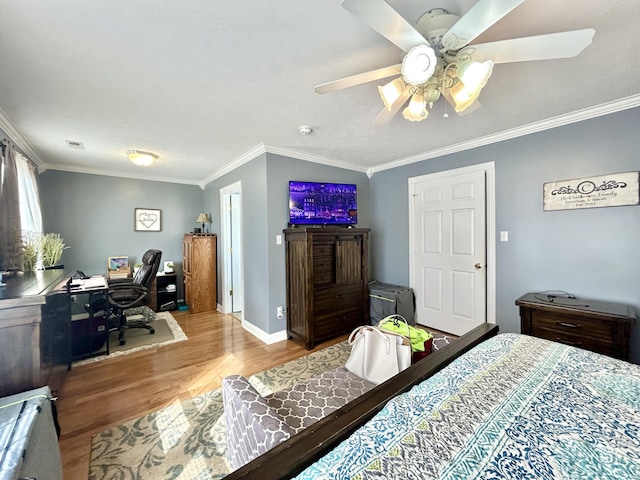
100	395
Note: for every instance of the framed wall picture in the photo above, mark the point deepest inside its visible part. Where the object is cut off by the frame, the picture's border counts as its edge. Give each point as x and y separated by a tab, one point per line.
116	263
147	220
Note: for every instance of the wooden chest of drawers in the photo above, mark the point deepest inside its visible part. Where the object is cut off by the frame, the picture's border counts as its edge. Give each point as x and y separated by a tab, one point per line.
602	327
327	282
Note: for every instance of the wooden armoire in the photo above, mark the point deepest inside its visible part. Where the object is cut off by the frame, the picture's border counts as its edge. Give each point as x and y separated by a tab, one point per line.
199	269
327	282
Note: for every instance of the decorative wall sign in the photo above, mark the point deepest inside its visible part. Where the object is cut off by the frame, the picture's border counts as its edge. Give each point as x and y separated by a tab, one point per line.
604	191
147	220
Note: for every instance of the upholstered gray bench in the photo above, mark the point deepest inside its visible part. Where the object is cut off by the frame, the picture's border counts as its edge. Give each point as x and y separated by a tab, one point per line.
255	424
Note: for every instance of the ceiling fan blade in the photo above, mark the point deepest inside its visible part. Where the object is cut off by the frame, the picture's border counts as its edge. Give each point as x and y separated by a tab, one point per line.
385	115
539	47
381	16
479	18
358	79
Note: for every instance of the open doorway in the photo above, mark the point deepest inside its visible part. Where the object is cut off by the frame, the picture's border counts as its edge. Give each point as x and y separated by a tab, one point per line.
231	233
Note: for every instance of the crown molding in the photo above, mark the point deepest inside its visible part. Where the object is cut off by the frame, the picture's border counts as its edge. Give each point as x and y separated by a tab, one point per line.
110	173
580	115
553	122
310	157
7	125
277	150
233	164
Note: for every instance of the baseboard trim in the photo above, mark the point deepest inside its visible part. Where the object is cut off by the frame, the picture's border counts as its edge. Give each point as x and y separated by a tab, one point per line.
265	337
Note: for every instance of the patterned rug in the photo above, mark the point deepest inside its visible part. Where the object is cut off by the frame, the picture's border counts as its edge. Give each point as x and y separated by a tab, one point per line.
187	440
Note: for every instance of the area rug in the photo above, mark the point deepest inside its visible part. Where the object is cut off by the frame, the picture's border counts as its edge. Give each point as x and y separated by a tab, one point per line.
167	331
187	440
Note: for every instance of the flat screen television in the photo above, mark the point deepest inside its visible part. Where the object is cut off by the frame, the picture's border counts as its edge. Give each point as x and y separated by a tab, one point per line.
314	203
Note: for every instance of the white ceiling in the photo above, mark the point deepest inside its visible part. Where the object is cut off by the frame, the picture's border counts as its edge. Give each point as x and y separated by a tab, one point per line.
206	84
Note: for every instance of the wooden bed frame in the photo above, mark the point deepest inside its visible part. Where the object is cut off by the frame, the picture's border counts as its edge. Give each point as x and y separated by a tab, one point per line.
291	457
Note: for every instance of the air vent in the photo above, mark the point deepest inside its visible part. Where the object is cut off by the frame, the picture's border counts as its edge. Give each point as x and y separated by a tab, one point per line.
75	144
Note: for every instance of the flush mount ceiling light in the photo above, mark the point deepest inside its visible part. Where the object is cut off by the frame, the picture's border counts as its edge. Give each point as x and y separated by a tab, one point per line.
440	58
140	158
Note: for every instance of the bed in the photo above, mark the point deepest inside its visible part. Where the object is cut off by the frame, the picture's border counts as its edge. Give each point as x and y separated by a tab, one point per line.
488	406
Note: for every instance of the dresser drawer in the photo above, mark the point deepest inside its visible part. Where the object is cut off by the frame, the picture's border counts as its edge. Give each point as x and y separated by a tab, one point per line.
337	323
331	299
565	324
599	345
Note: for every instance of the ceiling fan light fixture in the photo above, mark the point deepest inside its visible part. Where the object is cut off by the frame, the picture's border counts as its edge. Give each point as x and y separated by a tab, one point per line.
474	75
462	96
391	92
140	158
416	111
418	65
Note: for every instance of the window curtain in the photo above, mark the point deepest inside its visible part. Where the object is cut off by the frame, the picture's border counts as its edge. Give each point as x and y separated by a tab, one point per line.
29	199
10	226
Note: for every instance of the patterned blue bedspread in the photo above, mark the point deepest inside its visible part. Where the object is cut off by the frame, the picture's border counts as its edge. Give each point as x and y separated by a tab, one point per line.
515	407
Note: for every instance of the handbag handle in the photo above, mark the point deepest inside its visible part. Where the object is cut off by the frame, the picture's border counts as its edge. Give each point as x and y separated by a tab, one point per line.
396	319
354	335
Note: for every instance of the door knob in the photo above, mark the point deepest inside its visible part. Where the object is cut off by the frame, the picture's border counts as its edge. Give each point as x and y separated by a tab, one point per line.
478	266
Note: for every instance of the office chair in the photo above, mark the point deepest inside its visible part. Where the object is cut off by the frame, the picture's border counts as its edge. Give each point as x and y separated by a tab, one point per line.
125	293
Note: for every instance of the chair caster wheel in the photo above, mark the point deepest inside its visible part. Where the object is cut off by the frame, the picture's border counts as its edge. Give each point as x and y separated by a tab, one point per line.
152	331
122	342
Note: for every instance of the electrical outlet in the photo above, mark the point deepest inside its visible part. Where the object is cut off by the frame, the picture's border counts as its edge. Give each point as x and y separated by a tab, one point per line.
279	312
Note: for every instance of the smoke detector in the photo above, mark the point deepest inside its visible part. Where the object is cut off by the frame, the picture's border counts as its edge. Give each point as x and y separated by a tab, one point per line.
305	129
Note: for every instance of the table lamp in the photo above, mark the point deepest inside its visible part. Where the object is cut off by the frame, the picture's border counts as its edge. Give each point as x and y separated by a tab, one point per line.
203	218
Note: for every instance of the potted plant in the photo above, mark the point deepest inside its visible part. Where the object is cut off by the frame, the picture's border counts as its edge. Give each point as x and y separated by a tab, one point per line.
41	247
31	247
52	248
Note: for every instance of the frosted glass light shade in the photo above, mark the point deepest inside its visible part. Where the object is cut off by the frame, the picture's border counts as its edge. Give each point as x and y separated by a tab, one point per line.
416	111
462	97
143	159
391	92
474	75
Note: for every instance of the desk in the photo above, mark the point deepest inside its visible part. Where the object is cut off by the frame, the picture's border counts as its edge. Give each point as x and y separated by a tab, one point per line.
34	331
89	317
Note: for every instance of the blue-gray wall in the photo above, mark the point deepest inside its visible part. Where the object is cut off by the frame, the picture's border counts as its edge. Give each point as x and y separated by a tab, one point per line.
265	202
94	215
591	253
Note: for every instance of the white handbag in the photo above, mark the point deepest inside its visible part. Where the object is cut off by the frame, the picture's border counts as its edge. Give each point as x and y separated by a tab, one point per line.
377	355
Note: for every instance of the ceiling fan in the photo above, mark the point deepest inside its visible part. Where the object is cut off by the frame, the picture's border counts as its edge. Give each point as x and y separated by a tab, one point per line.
439	59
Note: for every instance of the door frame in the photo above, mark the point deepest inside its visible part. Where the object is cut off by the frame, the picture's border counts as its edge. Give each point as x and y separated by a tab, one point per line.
490	227
225	240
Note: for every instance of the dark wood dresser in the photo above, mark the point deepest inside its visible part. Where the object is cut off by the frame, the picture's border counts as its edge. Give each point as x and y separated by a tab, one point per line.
602	327
327	282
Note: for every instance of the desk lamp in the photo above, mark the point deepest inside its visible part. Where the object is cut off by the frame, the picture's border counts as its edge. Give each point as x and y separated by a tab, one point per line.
203	218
